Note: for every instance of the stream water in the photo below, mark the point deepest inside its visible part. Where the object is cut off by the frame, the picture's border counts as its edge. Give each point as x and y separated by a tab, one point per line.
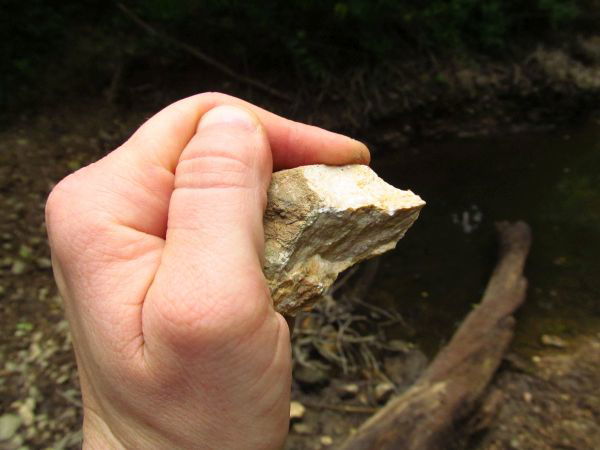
440	269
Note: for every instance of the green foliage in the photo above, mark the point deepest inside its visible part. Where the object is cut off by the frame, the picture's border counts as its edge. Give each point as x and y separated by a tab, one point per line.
58	44
39	42
559	12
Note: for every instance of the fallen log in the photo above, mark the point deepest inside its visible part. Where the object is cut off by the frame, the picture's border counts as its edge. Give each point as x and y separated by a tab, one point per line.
424	417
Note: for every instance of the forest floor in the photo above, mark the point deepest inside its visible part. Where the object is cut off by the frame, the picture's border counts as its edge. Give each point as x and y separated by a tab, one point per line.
549	400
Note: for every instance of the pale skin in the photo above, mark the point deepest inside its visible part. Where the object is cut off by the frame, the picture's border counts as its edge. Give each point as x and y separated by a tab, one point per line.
157	252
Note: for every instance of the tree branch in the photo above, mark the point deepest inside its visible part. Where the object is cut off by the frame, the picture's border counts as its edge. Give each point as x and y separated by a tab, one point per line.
208	60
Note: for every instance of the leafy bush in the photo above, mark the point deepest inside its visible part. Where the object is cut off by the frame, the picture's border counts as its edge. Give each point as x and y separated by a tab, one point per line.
47	45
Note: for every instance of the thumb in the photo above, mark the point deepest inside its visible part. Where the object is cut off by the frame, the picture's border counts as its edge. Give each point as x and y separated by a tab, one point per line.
220	186
211	265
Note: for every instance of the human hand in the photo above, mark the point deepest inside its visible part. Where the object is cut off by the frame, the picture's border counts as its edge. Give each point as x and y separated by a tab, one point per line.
157	253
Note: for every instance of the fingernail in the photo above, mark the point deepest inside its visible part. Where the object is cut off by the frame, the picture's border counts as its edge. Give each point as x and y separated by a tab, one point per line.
229	116
362	155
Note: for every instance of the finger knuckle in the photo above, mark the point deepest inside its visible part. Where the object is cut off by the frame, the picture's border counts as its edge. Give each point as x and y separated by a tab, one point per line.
213	170
72	222
62	203
212	319
215	158
57	199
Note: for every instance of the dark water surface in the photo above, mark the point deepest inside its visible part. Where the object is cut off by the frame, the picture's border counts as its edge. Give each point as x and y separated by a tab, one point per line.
440	269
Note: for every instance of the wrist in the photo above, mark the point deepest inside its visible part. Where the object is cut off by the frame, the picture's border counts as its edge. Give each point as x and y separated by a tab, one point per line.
97	434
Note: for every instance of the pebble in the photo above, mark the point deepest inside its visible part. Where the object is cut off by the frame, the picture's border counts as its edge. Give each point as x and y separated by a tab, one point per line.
9	424
6	261
43	293
311	375
302	428
25	252
383	392
396	345
553	341
26	411
18	267
346	391
297	410
326	440
363	398
43	263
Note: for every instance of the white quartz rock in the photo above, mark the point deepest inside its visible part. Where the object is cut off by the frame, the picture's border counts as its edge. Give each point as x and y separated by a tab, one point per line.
320	220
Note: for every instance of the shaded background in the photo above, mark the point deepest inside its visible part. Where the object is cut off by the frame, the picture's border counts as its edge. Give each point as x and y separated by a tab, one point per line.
50	50
489	110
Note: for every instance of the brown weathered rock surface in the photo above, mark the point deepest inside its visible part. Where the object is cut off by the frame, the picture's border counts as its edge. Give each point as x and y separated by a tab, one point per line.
320	220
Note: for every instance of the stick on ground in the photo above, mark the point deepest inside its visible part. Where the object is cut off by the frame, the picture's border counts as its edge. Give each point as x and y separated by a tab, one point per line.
424	416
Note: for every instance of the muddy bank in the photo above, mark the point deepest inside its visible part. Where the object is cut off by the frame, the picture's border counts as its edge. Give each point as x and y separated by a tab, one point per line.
549	402
467	96
423	97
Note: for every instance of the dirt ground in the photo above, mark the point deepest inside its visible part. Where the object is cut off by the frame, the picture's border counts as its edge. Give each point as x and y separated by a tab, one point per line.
548	401
38	377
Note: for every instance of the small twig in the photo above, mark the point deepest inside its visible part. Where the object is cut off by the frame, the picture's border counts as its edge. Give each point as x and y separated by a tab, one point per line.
299	355
326	353
343	280
387	323
300	332
370	360
376	309
339	342
359	340
344	408
202	56
353	362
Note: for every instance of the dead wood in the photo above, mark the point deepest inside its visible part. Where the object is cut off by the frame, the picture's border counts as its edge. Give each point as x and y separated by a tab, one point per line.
353	409
424	417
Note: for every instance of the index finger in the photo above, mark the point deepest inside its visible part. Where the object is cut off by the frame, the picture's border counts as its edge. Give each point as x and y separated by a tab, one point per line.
292	143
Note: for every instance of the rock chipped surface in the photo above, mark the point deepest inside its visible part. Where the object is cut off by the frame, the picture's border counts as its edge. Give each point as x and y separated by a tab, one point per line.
320	220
